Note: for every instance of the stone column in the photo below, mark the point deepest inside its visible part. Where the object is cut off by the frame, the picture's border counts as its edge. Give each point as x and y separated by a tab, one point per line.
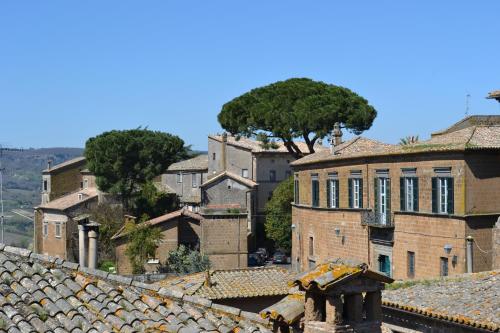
314	307
354	308
93	233
334	309
373	306
82	250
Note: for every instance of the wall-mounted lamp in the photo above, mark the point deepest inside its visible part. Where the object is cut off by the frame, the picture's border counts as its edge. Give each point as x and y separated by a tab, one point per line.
448	248
337	232
293	226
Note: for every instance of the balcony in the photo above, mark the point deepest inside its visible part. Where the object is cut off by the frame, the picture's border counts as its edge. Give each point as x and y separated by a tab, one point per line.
376	220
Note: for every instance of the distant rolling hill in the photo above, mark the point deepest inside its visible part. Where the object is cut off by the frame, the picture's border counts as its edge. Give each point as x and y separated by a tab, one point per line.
22	180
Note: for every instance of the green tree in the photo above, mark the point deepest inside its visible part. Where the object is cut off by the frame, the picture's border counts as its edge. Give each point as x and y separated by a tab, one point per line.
110	218
298	108
143	241
408	140
278	223
151	202
183	260
122	161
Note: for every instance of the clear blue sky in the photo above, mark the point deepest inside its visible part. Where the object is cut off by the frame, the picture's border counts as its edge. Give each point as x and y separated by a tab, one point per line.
70	70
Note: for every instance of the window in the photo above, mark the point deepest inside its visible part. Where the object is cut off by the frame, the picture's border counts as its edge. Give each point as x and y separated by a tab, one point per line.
311	246
179	177
409	194
272	175
45	185
315	190
442	195
213	156
244	173
411	264
85	183
355	193
58	229
288	174
384	264
296	189
444	266
382	200
45	229
332	193
194	181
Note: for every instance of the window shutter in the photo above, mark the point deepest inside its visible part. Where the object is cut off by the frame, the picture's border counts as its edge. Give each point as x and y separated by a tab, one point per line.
376	195
415	194
450	196
402	194
337	193
434	195
328	193
388	196
361	193
350	193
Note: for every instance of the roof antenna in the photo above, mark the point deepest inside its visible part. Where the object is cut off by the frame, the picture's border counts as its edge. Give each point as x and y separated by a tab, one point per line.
467	104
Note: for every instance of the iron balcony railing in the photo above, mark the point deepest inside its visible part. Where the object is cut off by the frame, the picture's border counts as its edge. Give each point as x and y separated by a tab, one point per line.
378	220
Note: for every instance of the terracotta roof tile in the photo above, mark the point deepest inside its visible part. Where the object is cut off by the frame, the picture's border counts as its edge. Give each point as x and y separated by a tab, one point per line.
199	162
223	174
71	200
38	295
65	164
256	146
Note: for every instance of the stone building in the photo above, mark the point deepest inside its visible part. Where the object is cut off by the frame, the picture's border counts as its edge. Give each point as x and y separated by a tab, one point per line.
409	211
184	178
68	191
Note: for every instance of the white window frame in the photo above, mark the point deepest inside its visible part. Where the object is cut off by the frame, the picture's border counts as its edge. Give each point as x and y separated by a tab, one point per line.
194	181
85	183
333	193
382	200
179	177
409	188
244	173
355	192
45	228
57	229
443	195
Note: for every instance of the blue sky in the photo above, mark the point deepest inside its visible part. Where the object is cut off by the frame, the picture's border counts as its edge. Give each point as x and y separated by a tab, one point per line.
70	70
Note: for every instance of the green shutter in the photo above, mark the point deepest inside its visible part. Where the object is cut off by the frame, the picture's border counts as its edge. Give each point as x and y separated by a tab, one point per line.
434	195
402	196
451	196
361	193
350	193
415	194
337	193
376	195
388	198
328	194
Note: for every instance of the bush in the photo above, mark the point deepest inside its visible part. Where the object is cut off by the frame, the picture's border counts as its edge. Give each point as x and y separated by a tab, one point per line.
183	261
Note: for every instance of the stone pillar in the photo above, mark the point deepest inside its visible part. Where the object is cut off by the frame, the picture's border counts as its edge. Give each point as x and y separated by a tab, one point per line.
334	309
373	306
314	307
82	249
354	308
93	233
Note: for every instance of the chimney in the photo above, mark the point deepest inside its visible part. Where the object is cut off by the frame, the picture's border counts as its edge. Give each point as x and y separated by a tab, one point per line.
336	137
93	234
223	151
49	164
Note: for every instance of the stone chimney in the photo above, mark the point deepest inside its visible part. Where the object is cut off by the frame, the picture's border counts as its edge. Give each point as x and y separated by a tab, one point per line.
88	233
336	137
49	164
93	235
224	152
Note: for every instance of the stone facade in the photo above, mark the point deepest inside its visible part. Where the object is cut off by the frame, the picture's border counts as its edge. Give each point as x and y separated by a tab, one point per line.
434	239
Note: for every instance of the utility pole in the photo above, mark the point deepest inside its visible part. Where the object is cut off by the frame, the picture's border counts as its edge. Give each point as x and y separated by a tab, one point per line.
2	216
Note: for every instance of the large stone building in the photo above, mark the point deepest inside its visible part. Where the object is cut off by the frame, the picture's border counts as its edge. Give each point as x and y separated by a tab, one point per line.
410	211
68	191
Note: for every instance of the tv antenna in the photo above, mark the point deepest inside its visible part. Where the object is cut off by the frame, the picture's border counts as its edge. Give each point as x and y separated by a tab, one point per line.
2	216
467	104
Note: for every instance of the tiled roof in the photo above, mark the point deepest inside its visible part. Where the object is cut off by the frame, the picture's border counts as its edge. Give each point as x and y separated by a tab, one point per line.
494	94
326	275
242	180
469	138
234	283
288	310
65	164
162	219
40	294
469	299
256	146
71	200
162	187
199	162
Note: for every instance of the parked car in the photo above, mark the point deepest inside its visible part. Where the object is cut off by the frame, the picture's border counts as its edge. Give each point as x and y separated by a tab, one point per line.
254	259
279	258
262	251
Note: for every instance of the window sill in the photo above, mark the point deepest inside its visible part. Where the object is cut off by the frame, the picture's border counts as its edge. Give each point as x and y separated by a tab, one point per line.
332	209
444	215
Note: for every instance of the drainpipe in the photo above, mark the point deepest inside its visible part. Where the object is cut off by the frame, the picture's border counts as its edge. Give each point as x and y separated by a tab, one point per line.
469	254
82	251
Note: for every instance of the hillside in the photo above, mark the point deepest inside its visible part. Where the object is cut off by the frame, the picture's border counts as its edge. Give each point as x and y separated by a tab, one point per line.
22	179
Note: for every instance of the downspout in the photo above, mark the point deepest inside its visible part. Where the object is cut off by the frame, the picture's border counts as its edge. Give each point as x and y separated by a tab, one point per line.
239	237
368	203
469	254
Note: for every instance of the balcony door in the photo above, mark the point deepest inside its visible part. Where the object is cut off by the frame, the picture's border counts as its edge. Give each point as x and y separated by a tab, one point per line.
382	200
